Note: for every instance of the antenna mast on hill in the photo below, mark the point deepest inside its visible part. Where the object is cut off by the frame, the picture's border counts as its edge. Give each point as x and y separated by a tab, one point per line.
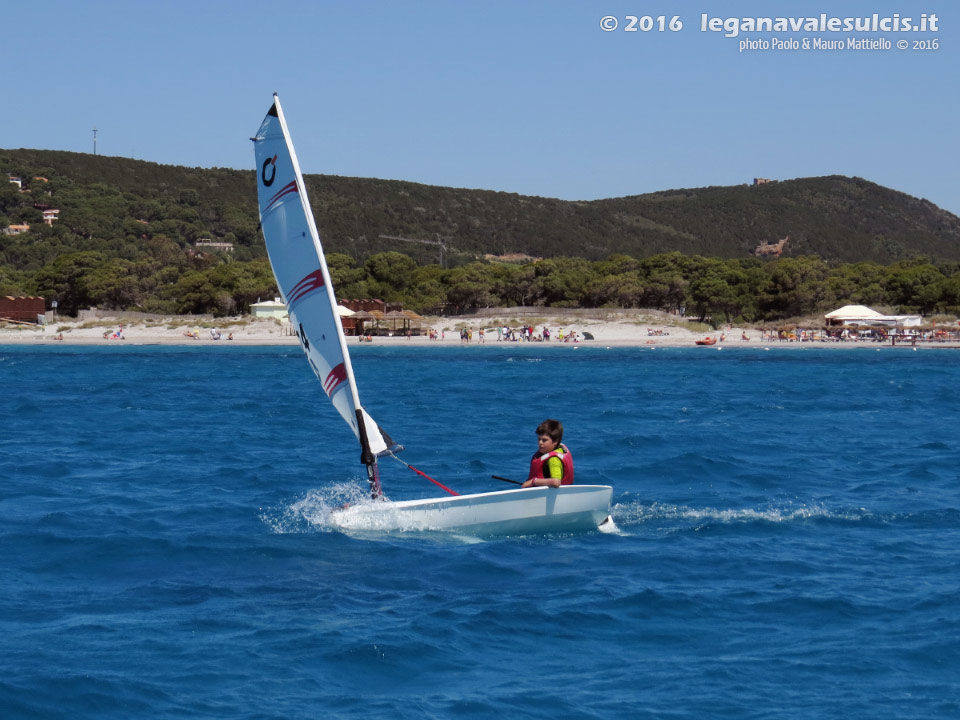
94	141
439	241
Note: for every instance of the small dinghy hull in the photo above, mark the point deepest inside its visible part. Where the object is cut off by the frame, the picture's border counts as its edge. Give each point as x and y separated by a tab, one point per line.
570	508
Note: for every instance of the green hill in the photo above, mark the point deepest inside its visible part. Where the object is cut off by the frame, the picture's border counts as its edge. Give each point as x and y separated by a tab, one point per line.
138	235
114	205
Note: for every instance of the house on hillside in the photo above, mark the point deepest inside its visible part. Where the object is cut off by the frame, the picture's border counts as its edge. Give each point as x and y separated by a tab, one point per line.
15	229
213	245
50	215
765	249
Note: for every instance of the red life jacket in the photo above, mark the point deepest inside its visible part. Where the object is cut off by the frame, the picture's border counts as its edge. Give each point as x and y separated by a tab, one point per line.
538	465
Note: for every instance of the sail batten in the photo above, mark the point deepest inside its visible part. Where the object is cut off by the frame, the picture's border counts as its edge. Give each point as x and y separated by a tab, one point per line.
299	266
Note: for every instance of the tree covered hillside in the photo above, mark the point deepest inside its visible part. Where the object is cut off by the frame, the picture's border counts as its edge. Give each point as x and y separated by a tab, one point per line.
127	237
837	218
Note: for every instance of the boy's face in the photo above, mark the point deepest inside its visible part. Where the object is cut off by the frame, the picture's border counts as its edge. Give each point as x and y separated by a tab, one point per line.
546	444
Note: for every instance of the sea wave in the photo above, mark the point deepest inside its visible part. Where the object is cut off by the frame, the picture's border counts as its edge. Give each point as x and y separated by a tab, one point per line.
799	519
635	512
311	513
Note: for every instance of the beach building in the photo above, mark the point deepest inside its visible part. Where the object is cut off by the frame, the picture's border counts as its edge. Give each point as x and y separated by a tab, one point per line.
269	309
22	309
372	316
862	315
366	317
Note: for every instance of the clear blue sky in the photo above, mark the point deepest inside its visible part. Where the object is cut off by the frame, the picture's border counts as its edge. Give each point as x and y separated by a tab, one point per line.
524	96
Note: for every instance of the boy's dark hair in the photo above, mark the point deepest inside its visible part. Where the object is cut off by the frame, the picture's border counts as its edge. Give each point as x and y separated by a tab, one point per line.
553	428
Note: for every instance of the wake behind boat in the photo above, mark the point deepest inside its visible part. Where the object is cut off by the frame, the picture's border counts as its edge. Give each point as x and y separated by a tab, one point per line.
300	268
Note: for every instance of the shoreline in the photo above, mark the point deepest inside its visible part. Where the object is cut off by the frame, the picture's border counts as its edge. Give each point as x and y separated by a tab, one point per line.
266	333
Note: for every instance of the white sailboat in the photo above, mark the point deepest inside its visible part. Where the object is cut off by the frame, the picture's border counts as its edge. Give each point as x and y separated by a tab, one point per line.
296	255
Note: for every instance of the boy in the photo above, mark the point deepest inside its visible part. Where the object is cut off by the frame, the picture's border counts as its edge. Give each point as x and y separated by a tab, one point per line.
552	464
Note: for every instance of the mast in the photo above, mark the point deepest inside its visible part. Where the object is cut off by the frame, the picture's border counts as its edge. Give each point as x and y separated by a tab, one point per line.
366	455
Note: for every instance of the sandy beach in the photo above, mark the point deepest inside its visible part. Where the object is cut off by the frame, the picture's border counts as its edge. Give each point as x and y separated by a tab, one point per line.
618	331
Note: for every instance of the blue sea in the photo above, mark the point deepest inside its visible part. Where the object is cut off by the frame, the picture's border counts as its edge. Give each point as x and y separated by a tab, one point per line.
789	540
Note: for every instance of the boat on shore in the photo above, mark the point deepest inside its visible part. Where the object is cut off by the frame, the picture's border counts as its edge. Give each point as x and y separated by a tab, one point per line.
300	268
706	341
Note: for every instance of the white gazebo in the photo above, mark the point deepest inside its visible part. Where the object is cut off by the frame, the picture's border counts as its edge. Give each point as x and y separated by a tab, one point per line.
862	315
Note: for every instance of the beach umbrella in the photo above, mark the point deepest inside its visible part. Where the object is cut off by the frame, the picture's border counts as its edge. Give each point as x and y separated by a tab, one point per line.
414	319
377	317
395	315
344	311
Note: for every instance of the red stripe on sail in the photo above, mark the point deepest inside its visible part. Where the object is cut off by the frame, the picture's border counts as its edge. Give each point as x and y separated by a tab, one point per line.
310	284
290	187
336	377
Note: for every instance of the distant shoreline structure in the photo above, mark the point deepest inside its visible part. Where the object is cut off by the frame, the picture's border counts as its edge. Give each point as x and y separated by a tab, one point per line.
614	329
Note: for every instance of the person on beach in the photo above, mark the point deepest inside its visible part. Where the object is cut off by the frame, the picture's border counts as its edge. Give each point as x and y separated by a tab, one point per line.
552	463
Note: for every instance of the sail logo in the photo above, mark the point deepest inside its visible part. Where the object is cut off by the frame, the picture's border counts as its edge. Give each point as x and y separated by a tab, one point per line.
335	379
272	162
287	189
307	286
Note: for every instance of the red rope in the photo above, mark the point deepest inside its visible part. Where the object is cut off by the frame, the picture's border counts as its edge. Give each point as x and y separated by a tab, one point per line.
420	472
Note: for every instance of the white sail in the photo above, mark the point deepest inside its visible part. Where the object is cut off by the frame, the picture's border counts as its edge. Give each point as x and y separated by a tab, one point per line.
296	255
304	281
